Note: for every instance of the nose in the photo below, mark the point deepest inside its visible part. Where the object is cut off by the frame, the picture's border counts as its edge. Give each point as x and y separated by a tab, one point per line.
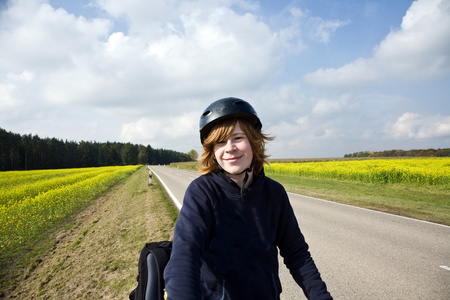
230	146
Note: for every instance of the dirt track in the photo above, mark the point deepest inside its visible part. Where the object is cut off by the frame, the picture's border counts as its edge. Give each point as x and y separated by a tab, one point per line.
97	257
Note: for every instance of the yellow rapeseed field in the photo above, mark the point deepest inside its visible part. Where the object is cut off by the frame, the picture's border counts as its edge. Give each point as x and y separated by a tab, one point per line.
31	201
424	171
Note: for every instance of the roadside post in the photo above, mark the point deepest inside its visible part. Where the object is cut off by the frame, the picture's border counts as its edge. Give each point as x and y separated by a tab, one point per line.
149	177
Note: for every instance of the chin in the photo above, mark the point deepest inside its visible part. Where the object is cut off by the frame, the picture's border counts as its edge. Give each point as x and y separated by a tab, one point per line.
235	170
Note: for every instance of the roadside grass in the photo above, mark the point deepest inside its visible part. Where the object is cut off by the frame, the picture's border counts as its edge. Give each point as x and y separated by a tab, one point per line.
423	202
93	254
428	203
170	208
189	165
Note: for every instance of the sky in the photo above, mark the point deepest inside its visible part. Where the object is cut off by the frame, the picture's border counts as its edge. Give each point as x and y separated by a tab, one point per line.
327	78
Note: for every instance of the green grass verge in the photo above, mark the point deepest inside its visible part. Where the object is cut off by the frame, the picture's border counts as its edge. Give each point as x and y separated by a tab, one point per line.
170	208
429	203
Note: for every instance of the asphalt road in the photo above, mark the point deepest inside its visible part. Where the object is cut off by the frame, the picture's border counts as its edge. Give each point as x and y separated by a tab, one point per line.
361	254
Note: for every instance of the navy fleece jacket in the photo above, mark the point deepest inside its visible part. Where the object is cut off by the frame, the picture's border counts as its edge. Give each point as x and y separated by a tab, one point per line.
225	247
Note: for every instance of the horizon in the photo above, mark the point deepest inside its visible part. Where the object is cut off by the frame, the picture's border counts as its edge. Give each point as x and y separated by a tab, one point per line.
269	158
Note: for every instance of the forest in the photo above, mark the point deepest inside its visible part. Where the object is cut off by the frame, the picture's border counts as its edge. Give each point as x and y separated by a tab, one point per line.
30	152
403	153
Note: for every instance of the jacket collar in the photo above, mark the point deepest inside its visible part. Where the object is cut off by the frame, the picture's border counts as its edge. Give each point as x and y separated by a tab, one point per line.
232	190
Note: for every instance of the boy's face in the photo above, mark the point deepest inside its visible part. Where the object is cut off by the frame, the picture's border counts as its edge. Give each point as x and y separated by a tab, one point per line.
234	154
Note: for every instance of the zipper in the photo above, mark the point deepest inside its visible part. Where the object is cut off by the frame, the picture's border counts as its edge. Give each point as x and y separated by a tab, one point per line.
223	290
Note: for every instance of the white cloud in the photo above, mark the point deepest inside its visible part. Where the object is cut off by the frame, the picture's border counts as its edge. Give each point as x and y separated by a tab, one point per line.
310	123
172	52
209	49
322	30
419	49
161	130
416	126
329	107
53	36
13	95
301	28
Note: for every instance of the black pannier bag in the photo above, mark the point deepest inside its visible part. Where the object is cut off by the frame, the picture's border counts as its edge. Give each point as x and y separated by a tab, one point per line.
152	261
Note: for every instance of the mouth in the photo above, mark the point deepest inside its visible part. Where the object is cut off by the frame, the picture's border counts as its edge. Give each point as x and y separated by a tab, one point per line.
232	159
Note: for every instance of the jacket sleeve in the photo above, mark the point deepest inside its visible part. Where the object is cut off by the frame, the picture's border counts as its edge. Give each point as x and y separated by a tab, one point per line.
182	273
297	257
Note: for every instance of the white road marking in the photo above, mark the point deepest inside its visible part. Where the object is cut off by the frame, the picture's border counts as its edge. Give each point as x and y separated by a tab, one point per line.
375	211
445	268
171	195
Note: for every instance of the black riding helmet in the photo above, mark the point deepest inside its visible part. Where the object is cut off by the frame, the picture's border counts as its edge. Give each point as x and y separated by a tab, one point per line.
224	109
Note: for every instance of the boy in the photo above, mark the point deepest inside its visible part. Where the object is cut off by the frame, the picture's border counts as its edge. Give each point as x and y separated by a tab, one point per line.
233	219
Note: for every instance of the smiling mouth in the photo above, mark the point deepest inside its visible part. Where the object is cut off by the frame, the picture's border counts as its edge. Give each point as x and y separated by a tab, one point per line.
232	159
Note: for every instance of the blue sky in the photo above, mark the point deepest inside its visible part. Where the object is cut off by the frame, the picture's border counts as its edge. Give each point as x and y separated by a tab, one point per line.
327	78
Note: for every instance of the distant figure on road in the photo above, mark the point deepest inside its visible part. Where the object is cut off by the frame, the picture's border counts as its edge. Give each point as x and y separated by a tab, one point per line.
234	217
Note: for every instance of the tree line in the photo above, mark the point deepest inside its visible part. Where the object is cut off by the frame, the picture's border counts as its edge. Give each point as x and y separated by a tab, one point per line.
30	152
445	152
